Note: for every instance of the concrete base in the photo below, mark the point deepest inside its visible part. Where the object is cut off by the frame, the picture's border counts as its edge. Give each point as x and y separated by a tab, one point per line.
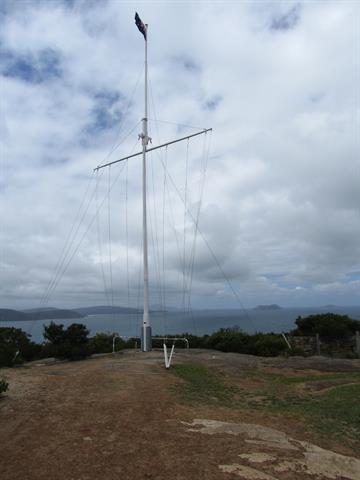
146	339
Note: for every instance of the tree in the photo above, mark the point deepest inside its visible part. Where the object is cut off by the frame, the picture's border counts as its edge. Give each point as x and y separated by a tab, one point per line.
71	343
15	344
327	325
54	333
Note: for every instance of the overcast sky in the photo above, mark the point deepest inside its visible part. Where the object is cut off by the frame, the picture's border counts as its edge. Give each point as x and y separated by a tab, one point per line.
279	84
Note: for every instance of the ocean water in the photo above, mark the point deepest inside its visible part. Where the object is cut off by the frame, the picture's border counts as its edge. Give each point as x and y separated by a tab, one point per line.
200	322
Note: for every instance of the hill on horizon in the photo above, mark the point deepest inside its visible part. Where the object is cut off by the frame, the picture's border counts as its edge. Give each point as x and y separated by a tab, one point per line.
11	315
105	309
273	306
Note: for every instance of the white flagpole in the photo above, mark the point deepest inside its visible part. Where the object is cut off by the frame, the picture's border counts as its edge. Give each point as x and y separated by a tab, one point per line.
146	329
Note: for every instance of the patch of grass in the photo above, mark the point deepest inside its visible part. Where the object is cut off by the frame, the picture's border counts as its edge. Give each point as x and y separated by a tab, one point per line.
335	412
327	376
288	379
202	385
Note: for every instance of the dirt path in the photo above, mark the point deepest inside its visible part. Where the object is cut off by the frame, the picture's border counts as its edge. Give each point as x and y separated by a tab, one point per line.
116	418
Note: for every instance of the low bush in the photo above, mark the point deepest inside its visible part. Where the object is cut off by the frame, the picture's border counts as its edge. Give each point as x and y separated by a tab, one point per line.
327	325
296	352
103	343
193	341
16	347
267	345
234	340
3	386
71	344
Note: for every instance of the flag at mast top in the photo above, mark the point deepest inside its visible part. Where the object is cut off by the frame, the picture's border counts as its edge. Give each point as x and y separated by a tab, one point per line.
140	25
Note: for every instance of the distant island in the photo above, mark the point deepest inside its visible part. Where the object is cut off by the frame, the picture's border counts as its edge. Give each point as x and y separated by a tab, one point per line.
51	313
273	306
104	310
10	315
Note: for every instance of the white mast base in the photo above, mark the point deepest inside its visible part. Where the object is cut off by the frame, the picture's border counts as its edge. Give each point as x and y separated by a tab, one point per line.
146	339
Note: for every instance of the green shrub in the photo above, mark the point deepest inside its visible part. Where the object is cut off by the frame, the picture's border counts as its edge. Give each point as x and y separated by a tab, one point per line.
234	340
103	343
3	386
296	352
327	325
16	346
229	340
71	344
55	334
194	340
267	345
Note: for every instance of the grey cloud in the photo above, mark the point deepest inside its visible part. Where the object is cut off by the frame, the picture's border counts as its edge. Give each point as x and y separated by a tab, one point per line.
288	20
213	103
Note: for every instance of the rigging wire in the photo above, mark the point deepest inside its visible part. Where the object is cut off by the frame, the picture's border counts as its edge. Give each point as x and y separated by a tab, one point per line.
109	240
100	244
155	240
139	289
65	264
184	235
205	157
127	237
68	244
69	241
161	271
163	249
208	245
116	145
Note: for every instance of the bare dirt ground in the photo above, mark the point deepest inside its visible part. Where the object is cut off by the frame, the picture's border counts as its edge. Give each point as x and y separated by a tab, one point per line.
117	417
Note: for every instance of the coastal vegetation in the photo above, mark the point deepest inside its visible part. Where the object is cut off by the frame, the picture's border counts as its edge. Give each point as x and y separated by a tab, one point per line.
74	342
327	325
3	386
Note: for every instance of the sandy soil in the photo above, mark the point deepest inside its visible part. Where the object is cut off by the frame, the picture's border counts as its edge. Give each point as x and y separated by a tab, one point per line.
115	417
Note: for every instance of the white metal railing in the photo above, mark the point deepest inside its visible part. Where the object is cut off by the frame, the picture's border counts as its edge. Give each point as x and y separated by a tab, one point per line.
167	357
174	339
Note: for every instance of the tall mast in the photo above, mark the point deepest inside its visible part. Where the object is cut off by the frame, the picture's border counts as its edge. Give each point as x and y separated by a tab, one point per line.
146	329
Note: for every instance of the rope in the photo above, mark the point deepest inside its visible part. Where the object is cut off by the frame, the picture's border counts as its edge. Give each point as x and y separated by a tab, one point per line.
100	244
205	158
116	145
58	273
64	266
163	250
184	236
154	238
109	240
208	246
127	240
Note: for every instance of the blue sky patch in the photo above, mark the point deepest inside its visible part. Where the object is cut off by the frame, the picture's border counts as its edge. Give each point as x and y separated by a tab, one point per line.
31	68
353	276
105	113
